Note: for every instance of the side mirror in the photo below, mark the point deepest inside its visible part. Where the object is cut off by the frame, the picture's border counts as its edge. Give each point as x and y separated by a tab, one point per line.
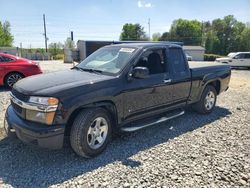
140	72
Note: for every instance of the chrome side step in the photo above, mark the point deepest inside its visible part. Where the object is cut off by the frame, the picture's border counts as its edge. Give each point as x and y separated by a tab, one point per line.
159	120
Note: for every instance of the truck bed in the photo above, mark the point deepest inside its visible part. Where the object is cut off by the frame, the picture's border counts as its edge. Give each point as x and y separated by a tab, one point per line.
203	64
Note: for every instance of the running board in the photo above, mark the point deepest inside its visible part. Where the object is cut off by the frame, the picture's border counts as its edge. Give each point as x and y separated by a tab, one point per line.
155	121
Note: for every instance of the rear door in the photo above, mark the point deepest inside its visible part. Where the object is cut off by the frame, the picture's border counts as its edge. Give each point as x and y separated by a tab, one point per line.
246	59
181	75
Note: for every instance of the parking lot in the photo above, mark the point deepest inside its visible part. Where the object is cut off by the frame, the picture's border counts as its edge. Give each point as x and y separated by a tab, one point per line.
190	151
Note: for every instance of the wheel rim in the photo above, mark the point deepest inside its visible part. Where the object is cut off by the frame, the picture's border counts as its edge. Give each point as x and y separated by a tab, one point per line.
97	133
209	100
12	79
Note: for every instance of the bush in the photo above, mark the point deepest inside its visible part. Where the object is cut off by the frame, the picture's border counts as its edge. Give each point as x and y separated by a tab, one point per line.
211	57
58	57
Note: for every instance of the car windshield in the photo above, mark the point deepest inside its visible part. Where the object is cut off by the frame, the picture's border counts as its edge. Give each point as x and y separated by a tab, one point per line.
232	54
108	59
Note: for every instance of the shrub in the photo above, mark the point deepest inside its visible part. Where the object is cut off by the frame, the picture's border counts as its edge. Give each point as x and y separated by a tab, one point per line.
58	57
211	57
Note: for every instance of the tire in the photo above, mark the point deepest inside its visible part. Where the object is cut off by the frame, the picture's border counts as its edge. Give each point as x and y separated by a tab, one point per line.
12	78
86	139
207	101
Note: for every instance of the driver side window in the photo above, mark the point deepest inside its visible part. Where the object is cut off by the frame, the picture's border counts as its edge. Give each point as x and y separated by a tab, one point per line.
239	56
154	60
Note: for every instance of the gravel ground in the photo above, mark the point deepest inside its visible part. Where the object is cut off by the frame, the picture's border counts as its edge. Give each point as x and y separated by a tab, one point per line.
190	151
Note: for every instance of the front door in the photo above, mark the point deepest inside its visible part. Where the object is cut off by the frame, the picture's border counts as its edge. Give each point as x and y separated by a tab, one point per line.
152	93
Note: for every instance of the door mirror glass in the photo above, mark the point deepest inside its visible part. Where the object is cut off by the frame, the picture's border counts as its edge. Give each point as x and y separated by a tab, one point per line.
140	72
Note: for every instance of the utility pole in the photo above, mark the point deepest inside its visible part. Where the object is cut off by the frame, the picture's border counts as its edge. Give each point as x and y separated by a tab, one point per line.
72	36
45	34
149	29
21	49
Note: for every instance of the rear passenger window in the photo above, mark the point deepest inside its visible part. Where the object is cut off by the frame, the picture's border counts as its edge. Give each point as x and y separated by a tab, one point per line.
5	59
247	56
176	58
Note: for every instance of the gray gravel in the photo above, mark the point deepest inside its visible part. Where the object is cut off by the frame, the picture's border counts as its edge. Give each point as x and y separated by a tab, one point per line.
190	151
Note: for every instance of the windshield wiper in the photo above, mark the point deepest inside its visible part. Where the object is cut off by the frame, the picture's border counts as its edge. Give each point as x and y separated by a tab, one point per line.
91	70
77	68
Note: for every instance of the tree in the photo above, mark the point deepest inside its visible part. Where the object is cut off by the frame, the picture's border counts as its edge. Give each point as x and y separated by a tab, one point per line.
133	32
55	48
245	39
226	35
187	31
69	43
6	39
165	36
156	36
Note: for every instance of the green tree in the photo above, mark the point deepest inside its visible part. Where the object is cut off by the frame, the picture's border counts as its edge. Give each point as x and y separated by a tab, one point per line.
227	32
165	36
55	48
156	36
69	43
6	39
245	39
133	32
187	31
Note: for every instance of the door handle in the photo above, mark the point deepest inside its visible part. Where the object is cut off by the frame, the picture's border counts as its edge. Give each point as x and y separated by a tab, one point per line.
167	81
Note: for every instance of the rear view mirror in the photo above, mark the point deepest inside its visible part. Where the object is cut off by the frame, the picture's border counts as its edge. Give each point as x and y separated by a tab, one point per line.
140	72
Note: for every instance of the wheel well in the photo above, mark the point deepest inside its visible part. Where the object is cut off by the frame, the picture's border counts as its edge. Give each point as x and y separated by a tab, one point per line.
108	106
12	73
216	84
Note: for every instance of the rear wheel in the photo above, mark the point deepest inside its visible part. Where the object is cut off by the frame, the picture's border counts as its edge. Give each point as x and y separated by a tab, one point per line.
207	101
90	132
12	78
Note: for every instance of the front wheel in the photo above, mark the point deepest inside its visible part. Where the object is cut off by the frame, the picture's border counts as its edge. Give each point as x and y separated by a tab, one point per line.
90	132
207	101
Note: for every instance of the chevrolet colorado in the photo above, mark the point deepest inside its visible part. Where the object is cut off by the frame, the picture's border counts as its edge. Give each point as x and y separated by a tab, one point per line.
122	87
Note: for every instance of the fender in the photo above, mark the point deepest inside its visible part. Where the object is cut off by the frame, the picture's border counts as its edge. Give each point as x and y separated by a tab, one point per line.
208	79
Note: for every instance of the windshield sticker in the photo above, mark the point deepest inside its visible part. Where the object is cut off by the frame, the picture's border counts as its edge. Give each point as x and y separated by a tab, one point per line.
128	50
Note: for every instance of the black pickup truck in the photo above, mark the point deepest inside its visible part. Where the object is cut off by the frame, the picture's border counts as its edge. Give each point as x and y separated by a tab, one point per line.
122	87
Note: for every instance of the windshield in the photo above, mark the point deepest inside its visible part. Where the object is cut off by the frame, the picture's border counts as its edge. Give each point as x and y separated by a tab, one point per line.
231	54
108	59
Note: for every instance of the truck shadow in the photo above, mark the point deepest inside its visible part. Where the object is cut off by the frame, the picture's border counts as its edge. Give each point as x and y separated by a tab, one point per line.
26	166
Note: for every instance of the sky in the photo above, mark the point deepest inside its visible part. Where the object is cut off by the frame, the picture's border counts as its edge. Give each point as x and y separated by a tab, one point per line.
103	19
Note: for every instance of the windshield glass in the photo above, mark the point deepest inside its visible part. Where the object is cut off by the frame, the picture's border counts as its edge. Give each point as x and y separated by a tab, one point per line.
108	59
231	54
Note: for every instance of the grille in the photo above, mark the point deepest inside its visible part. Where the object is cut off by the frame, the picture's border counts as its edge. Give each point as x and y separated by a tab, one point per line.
17	108
20	96
19	111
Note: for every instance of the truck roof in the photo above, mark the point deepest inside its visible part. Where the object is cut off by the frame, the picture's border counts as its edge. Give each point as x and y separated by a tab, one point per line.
146	45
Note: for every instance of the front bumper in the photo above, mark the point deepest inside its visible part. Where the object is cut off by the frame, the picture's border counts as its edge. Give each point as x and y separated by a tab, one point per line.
45	136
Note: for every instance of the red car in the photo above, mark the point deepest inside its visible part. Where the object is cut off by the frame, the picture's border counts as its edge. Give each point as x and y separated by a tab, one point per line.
13	68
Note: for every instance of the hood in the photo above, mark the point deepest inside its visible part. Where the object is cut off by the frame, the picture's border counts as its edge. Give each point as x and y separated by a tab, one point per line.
223	59
57	82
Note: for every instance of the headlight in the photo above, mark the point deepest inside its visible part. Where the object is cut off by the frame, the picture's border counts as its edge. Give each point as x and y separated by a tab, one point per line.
44	100
41	117
43	109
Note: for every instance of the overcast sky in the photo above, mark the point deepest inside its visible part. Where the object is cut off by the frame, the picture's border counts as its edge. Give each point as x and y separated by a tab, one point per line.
103	19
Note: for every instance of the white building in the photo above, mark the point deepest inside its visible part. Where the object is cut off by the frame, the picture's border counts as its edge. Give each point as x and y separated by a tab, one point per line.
197	52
